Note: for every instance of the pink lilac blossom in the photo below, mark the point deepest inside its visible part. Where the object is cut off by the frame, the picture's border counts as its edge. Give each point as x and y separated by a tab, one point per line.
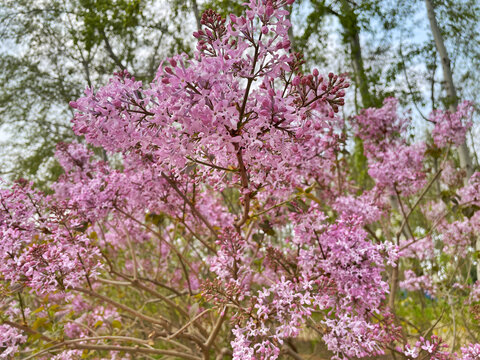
380	128
100	318
451	128
68	355
393	164
470	352
474	294
399	169
10	339
231	260
435	349
413	282
452	176
432	349
457	237
349	336
470	194
39	248
421	249
340	258
191	110
369	206
274	320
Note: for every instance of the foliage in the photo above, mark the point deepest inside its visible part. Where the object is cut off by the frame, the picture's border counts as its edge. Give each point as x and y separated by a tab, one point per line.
51	50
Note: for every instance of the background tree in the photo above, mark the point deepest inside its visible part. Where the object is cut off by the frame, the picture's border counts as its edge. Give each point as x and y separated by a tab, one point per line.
52	49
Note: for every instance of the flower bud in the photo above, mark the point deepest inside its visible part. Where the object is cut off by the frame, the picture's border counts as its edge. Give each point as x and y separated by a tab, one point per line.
269	10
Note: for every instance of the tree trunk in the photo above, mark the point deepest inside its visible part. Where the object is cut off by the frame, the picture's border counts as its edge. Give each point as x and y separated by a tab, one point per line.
351	30
352	36
463	153
291	37
196	14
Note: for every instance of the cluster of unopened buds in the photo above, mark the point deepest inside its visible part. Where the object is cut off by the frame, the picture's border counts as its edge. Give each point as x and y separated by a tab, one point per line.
314	89
123	74
214	30
221	293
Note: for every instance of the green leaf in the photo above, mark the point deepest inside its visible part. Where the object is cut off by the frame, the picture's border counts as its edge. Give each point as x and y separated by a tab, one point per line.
267	228
116	324
258	237
470	210
98	324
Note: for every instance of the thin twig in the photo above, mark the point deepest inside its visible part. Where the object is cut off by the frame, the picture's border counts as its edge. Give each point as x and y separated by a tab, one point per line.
405	219
74	344
28	330
210	165
216	329
192	206
161	321
179	331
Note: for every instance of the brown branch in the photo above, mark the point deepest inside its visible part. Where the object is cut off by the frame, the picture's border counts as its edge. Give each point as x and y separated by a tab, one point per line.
136	283
73	345
161	321
110	52
288	349
172	183
248	196
210	165
192	321
214	333
405	218
173	248
28	330
404	214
